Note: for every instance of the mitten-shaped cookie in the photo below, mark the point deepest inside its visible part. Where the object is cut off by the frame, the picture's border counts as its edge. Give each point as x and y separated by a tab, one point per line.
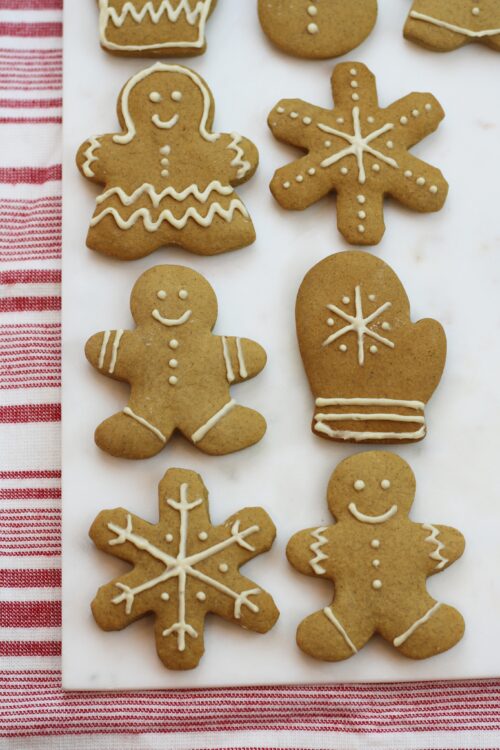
444	25
370	368
317	29
359	151
168	179
179	372
379	561
154	28
183	569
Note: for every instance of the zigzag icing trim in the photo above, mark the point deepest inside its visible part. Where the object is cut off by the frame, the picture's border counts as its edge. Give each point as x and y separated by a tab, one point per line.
151	225
316	549
156	198
238	160
433	539
94	144
193	15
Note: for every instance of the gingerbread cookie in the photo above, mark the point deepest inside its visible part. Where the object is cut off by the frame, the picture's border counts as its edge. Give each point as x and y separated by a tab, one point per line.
168	179
184	568
370	368
317	29
379	561
360	152
154	28
179	372
445	25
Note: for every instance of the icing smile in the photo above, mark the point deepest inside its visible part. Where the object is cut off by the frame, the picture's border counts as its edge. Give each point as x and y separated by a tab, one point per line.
165	124
170	322
372	519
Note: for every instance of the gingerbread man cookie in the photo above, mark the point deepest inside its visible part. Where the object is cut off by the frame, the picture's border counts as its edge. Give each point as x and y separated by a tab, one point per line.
184	568
168	179
179	372
317	29
154	28
445	25
379	561
371	369
360	152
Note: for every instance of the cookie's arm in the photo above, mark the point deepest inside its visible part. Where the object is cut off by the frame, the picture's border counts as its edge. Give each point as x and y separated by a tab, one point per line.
243	358
92	157
240	155
296	122
443	545
307	550
108	352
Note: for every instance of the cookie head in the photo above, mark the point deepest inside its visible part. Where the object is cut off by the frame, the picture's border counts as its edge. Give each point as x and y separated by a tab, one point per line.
173	296
371	488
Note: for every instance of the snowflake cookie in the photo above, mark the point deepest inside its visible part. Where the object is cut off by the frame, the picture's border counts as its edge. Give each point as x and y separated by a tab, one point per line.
379	561
184	568
445	25
371	369
179	372
168	179
154	28
360	152
317	29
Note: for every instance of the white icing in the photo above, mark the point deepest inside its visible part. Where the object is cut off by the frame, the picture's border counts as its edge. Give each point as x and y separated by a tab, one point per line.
241	360
404	637
223	567
163	67
104	346
227	359
165	596
330	616
169	322
377	584
173	344
173	380
161	294
90	156
433	539
359	145
203	536
152	225
183	294
375	544
165	124
166	12
116	346
128	411
359	485
417	405
385	484
363	518
173	363
210	424
155	97
176	96
239	161
315	548
201	596
453	27
313	28
359	324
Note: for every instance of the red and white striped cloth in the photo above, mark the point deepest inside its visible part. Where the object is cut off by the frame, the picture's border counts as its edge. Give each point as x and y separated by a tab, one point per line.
34	711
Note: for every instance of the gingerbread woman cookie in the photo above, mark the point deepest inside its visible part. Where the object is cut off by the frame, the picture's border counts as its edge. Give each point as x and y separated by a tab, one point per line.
184	568
317	29
360	152
444	25
379	561
179	372
168	179
154	28
371	369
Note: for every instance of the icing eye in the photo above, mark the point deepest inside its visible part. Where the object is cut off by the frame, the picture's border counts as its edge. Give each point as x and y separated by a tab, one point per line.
155	96
183	294
359	485
385	484
176	96
162	294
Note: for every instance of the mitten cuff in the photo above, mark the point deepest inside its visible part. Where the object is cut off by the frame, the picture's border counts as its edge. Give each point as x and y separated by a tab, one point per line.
370	419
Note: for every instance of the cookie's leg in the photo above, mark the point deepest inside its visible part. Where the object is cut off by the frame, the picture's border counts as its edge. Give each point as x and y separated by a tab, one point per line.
423	31
230	429
220	237
128	435
437	628
126	244
336	632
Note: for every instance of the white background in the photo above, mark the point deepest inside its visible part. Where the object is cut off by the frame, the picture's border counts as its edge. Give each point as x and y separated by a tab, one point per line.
449	265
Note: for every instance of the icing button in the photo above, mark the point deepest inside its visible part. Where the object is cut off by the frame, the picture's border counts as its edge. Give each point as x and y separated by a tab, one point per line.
376	584
375	544
173	343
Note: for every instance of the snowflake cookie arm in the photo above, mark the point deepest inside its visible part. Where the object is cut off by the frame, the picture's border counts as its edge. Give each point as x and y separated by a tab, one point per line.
243	358
360	218
94	157
354	85
294	121
308	551
109	352
442	546
240	157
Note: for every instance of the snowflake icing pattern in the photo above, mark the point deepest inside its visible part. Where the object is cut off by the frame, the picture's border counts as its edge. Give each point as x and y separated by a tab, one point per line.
360	152
199	577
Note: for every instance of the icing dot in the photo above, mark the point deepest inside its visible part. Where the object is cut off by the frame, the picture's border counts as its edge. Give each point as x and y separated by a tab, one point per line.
183	294
280	110
403	120
203	536
376	584
165	162
294	115
164	172
162	294
165	150
353	72
313	28
346	300
344	171
375	543
361	229
173	343
376	563
359	485
155	96
173	363
328	144
362	214
173	380
370	119
390	144
299	178
340	120
372	297
201	596
176	96
354	84
312	10
476	11
223	567
343	348
355	97
373	349
311	171
385	484
165	596
421	181
408	173
386	326
415	113
169	538
286	185
361	199
307	120
433	189
428	107
330	322
376	167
